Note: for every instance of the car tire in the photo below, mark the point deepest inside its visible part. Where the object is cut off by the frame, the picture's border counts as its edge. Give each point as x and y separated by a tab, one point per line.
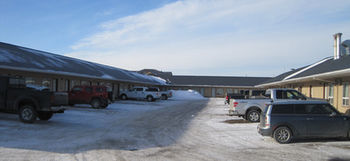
45	115
27	114
124	97
164	97
105	105
95	103
282	135
253	116
149	98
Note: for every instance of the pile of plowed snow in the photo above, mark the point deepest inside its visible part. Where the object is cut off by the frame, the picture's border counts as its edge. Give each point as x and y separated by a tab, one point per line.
186	95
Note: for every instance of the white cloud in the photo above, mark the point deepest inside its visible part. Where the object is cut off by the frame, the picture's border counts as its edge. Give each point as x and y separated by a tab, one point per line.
211	37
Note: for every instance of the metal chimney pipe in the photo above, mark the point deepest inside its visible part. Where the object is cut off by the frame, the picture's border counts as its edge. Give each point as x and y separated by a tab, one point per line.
337	42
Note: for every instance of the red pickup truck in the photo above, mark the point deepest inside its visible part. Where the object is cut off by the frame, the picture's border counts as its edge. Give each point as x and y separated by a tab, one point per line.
96	96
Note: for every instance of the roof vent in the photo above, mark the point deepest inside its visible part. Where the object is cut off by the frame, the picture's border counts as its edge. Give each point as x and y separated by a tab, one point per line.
337	42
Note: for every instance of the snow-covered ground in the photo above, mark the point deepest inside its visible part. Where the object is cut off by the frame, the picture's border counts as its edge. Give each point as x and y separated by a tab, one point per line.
176	129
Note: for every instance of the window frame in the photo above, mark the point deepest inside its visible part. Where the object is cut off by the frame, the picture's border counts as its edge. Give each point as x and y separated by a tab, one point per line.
345	95
330	91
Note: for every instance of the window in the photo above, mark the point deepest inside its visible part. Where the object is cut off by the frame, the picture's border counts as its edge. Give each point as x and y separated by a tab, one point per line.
77	89
99	89
300	109
139	89
46	83
54	85
330	93
346	94
282	109
297	95
17	82
281	94
67	85
30	80
219	92
88	89
319	109
86	83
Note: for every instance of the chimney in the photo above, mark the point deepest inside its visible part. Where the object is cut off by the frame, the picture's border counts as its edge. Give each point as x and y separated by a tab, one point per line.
337	42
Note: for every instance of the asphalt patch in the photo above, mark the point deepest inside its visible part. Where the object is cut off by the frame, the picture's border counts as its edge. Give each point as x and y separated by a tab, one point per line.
235	121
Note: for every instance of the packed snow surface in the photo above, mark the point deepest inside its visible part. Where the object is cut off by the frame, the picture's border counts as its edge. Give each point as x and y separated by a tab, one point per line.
174	129
187	95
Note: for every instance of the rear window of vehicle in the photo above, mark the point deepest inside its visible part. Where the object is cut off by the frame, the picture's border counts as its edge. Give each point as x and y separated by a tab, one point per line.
282	109
152	89
100	89
139	89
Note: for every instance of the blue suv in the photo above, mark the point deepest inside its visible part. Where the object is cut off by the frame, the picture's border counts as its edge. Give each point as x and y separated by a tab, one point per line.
287	120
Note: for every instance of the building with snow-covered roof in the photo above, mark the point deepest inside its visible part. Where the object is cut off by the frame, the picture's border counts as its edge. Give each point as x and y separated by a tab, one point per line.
61	73
210	86
328	78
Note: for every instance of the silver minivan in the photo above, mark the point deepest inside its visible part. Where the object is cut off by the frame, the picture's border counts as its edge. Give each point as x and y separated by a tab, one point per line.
287	120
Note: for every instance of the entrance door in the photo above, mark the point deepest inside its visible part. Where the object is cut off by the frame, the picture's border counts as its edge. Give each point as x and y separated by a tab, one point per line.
3	85
213	92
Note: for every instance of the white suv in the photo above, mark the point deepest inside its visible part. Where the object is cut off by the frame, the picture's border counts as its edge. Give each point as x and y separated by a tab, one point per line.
150	94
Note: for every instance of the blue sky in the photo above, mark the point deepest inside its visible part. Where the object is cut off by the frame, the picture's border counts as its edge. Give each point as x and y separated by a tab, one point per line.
197	37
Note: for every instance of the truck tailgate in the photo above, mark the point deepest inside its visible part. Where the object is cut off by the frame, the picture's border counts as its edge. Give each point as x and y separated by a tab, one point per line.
60	99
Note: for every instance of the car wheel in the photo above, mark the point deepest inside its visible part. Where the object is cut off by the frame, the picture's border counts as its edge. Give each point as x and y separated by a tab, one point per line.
282	135
95	103
164	97
27	114
253	116
124	97
45	115
149	98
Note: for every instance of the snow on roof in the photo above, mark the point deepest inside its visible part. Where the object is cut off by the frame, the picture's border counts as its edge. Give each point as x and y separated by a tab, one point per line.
21	58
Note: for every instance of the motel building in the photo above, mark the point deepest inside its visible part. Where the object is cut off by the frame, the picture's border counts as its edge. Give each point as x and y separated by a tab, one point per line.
328	78
61	73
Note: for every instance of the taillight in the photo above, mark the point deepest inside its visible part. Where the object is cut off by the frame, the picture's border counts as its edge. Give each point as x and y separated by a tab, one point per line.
267	121
52	98
235	104
226	97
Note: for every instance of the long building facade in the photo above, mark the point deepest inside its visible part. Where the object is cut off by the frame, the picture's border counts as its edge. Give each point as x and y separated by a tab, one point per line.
328	78
61	73
210	86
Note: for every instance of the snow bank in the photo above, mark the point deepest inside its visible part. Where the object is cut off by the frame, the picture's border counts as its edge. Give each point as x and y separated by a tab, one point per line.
186	95
37	87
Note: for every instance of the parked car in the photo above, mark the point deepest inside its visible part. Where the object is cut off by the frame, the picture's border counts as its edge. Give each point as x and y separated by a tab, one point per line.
166	94
150	94
287	120
28	102
96	96
251	108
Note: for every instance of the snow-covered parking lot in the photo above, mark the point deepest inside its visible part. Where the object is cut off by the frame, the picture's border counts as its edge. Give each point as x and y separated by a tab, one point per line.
176	129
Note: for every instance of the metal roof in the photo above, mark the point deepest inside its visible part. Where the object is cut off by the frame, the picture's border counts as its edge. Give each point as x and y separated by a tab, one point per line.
26	59
329	65
217	80
325	66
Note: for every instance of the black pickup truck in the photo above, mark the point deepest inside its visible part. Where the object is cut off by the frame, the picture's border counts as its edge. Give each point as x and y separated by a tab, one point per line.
28	102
